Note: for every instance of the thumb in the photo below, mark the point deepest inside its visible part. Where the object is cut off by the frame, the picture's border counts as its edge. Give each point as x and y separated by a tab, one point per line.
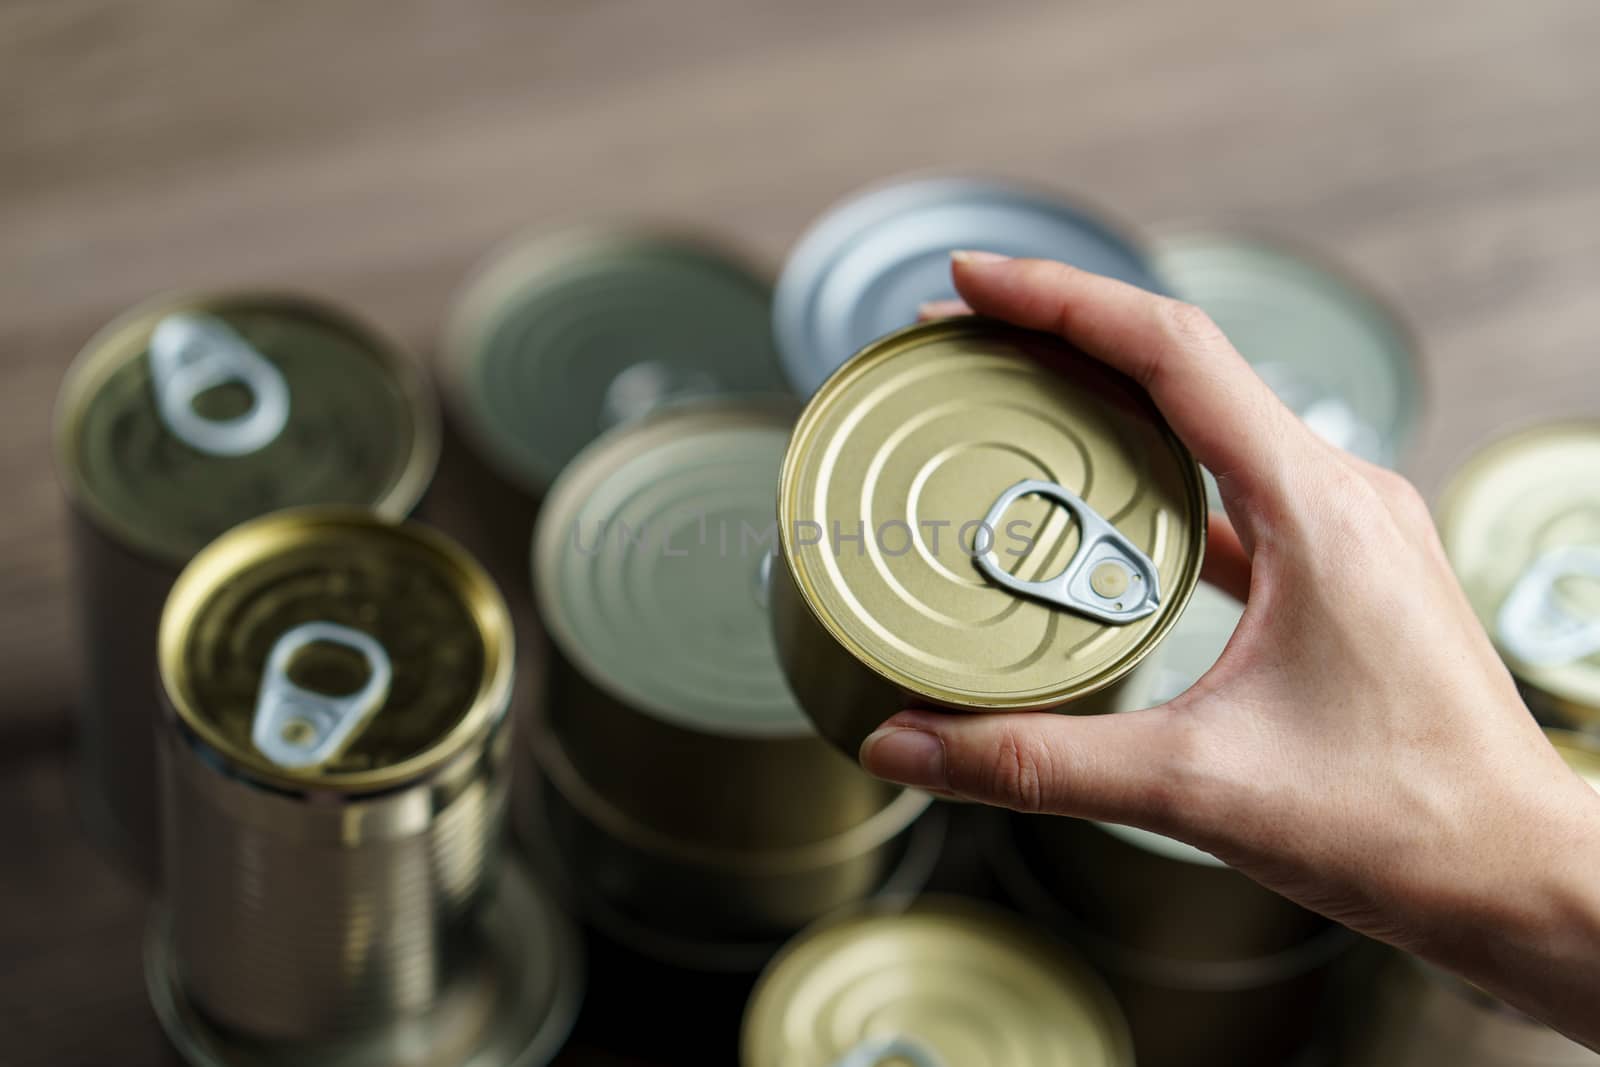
1124	768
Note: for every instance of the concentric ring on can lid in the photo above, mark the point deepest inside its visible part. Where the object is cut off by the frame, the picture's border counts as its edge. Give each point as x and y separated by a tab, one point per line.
1523	514
566	335
360	427
435	613
650	563
1332	351
945	983
888	485
864	268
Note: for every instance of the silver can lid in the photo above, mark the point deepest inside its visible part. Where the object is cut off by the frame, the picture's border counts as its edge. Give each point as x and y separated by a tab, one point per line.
864	268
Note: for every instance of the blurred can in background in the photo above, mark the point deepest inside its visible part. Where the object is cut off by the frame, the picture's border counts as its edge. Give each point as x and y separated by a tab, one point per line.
980	518
335	783
1520	522
864	268
182	418
943	983
690	801
1336	354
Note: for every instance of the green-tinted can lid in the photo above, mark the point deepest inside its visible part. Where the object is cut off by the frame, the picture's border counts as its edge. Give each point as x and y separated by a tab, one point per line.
1331	350
191	414
565	336
944	984
988	518
650	565
1520	522
332	649
1580	751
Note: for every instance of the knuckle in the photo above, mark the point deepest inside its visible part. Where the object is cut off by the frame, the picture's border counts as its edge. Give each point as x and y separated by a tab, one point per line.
1015	772
1191	325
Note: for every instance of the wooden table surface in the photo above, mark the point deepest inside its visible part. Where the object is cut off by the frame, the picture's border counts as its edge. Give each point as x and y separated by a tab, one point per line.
372	151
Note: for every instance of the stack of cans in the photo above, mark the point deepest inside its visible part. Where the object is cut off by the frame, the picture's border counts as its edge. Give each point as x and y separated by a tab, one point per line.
726	529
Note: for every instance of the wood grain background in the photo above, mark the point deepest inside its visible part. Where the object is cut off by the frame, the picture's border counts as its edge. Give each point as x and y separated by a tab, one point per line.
370	151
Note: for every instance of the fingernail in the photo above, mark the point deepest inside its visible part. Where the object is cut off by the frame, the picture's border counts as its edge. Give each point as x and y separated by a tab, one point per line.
941	309
910	757
972	258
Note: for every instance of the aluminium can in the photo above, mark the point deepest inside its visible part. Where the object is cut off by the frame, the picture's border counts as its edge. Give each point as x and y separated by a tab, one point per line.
335	780
185	416
865	267
1520	522
943	982
1333	351
979	518
667	724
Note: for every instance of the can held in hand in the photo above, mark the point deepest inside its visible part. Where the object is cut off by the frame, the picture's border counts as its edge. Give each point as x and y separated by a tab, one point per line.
945	983
708	806
335	780
865	267
979	518
182	418
1520	522
1333	351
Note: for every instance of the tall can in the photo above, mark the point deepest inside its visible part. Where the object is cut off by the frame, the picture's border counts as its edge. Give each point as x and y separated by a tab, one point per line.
979	518
335	778
868	263
184	417
943	983
689	795
1520	522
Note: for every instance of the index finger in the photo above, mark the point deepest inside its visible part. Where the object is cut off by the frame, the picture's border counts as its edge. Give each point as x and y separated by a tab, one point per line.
1215	401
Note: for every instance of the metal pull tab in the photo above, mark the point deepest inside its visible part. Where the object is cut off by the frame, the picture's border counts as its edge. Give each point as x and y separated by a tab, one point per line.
297	728
1535	626
876	1051
1108	579
190	354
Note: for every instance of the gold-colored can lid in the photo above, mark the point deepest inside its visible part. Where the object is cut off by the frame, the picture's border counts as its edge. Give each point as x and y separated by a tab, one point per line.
195	412
1520	522
946	983
334	649
650	561
1581	752
989	518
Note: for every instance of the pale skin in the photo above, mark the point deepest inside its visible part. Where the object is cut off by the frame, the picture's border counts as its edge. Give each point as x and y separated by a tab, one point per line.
1359	747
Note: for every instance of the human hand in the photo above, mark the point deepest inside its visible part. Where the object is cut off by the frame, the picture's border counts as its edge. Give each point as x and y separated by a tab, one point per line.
1359	747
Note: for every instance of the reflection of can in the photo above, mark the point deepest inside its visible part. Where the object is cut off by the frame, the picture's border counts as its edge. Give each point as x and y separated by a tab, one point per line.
335	782
1207	970
180	419
943	984
1335	353
980	518
1520	522
863	269
668	727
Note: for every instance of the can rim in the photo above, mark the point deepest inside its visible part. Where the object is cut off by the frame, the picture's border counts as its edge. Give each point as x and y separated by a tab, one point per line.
102	355
570	489
940	695
820	242
1087	984
505	269
1419	385
1579	746
256	539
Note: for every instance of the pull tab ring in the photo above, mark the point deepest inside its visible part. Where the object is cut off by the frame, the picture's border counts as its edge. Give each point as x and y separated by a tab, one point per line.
1108	578
1534	626
871	1051
190	354
297	728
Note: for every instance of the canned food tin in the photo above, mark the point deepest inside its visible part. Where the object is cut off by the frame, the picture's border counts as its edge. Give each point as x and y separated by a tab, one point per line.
1332	351
667	719
866	266
946	982
1520	522
335	783
979	518
563	336
186	416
